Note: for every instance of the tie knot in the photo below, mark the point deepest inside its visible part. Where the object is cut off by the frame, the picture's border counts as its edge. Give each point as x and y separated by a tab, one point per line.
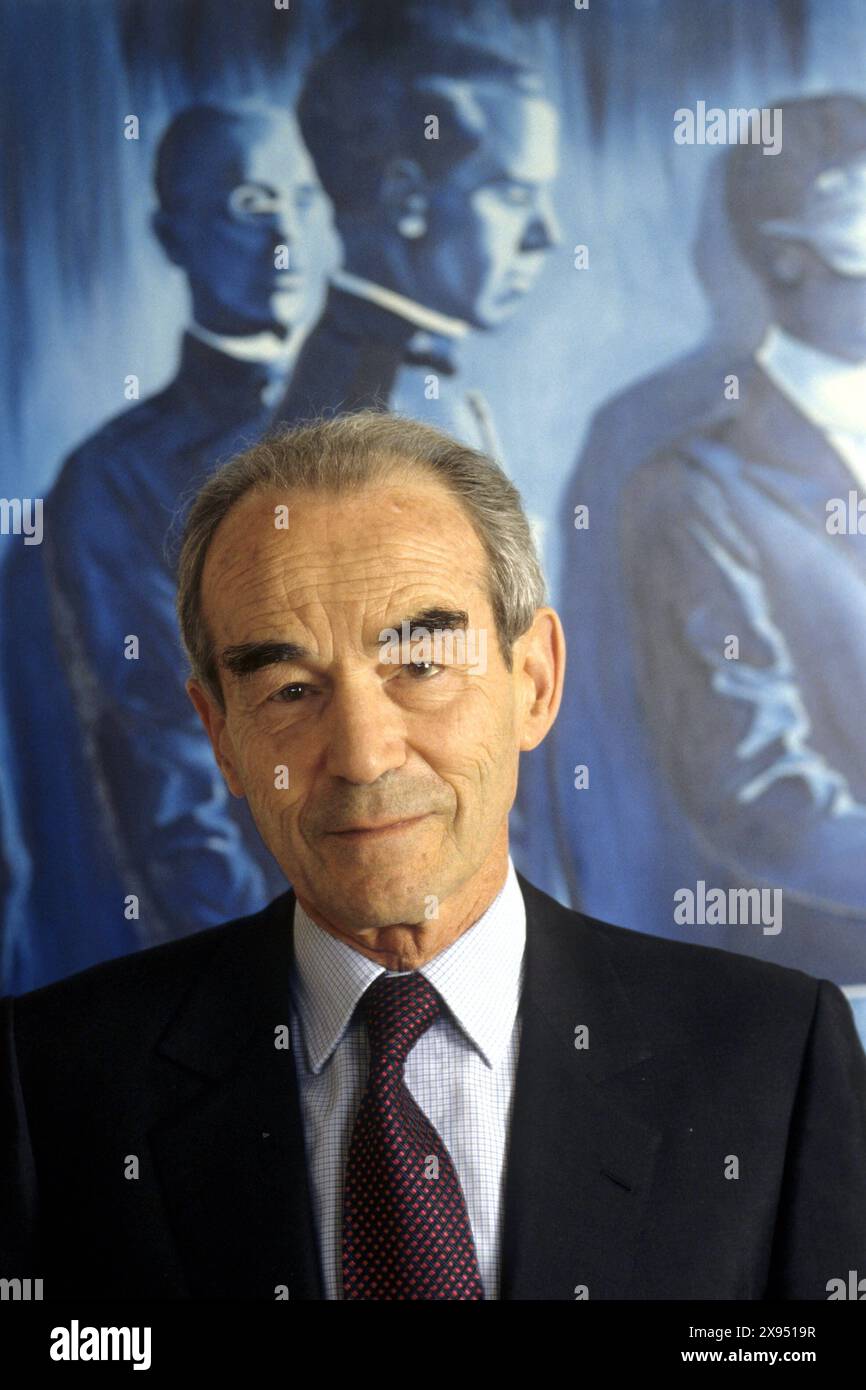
398	1009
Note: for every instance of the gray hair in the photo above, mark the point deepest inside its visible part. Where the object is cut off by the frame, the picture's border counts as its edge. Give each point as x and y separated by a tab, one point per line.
349	452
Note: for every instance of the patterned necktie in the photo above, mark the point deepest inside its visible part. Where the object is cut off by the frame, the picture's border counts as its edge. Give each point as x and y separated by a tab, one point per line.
406	1231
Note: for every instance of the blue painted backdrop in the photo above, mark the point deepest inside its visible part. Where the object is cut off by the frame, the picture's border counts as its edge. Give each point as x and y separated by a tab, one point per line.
90	299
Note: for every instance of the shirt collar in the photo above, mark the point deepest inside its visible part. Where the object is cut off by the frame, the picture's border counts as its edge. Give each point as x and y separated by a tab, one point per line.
430	320
829	391
478	977
249	347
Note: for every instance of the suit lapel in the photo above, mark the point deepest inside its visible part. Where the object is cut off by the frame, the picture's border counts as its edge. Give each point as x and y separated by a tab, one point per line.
579	1165
233	1142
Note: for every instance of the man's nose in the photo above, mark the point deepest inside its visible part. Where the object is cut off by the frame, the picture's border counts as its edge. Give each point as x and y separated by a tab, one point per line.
544	231
287	225
365	732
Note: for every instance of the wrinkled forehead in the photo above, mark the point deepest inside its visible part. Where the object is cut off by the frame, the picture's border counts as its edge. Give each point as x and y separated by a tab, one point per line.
276	554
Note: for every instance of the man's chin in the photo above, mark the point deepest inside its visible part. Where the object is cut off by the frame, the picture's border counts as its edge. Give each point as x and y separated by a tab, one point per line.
371	899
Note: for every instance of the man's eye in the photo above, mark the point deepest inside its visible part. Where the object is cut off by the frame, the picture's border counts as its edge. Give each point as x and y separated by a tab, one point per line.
248	200
420	669
281	696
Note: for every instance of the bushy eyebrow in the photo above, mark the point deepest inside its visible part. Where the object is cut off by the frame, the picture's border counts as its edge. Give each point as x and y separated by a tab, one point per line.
244	659
434	620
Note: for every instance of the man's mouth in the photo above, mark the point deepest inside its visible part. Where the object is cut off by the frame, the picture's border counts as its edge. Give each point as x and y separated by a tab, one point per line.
380	828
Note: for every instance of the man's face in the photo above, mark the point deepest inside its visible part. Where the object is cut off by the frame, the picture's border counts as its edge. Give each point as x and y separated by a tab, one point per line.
840	240
491	224
262	195
365	737
829	235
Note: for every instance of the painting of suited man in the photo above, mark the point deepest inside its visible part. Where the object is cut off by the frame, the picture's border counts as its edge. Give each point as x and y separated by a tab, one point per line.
468	153
739	607
121	787
442	197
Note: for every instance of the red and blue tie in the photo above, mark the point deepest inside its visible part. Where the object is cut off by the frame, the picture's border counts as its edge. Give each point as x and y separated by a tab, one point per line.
406	1231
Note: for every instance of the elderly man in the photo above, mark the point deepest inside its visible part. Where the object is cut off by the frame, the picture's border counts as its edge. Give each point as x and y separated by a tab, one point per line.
414	1075
120	795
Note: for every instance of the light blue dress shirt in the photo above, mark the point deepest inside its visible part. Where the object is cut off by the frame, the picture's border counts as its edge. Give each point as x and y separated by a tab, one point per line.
460	1072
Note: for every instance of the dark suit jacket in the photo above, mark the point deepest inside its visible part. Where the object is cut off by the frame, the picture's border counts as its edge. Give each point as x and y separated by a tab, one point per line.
616	1176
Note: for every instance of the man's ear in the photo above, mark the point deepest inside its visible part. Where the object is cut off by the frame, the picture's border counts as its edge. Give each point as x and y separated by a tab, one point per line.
539	664
214	721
